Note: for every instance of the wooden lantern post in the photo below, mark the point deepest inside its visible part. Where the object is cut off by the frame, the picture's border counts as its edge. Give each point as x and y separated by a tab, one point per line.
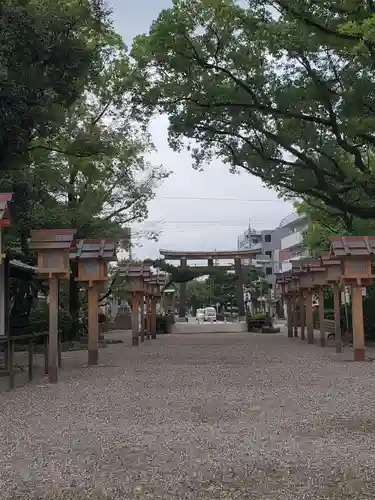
148	293
154	282
281	286
305	286
146	273
333	278
53	247
300	296
135	275
319	281
355	254
5	221
292	293
93	256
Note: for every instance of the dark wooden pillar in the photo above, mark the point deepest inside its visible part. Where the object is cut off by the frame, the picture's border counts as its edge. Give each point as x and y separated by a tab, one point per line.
302	316
321	318
153	317
289	313
182	302
309	317
239	287
336	307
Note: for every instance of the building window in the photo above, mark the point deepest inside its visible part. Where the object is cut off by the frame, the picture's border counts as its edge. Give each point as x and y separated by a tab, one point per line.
270	286
268	270
269	254
267	238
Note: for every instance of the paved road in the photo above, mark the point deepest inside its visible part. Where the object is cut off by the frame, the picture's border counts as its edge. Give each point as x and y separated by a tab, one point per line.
226	416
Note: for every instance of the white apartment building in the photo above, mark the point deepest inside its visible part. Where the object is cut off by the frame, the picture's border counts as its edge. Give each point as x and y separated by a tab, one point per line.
293	226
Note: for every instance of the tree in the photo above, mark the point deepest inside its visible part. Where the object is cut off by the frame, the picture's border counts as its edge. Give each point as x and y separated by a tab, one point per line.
323	222
47	51
286	96
91	174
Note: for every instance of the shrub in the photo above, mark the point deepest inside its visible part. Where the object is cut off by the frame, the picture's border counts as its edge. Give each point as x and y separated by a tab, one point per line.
258	321
39	322
164	323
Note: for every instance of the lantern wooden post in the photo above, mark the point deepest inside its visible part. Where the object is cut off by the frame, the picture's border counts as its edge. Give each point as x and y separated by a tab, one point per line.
312	276
321	318
136	276
295	315
148	319
302	316
319	281
5	221
358	326
93	256
142	309
135	319
282	281
53	337
355	254
53	247
289	313
93	325
337	316
154	282
309	317
333	278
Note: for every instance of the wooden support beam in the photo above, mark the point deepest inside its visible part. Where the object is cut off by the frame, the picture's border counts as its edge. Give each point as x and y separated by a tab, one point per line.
53	329
93	325
358	328
135	320
336	307
321	318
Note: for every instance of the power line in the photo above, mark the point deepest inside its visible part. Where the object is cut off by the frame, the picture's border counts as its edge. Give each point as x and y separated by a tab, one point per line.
230	222
213	198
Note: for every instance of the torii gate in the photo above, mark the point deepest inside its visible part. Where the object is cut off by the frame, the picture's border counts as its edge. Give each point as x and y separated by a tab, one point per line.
237	255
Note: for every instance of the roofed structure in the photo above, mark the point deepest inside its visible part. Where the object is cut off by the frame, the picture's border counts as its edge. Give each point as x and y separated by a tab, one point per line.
203	255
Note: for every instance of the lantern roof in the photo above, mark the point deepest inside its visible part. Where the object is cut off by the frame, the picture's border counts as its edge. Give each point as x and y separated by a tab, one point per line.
52	239
95	249
351	246
135	271
284	277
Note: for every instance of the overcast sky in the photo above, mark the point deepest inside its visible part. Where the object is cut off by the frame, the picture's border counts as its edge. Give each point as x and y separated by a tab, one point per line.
195	210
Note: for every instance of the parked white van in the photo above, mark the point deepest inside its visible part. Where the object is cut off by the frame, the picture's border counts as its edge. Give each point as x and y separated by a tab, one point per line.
210	314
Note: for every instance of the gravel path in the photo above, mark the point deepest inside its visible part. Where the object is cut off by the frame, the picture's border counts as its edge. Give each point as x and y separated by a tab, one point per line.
211	416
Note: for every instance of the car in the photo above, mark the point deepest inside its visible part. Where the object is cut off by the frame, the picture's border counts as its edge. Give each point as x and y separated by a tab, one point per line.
210	314
200	315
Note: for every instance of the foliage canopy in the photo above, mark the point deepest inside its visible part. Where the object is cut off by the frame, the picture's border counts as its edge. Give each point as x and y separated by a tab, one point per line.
47	51
282	89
